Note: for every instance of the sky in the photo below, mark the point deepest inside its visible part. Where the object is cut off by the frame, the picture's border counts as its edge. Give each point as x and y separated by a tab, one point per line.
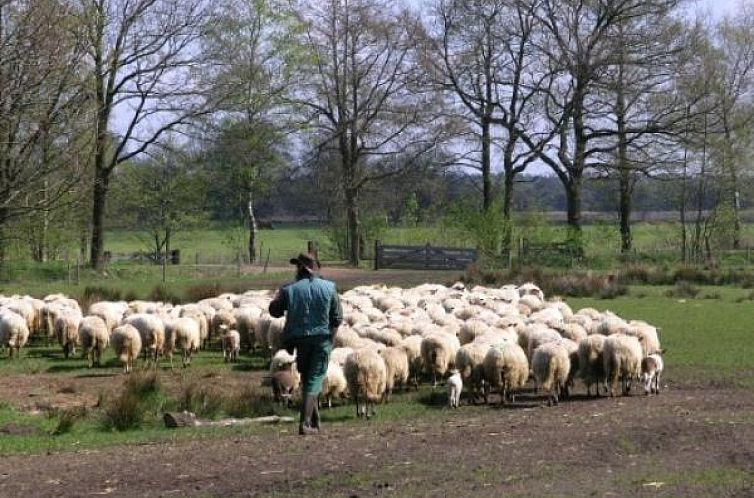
719	7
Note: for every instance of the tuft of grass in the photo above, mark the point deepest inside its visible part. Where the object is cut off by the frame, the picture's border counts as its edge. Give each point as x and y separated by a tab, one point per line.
206	401
67	419
124	412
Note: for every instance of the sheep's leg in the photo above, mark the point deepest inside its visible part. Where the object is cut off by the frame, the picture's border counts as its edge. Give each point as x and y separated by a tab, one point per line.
657	383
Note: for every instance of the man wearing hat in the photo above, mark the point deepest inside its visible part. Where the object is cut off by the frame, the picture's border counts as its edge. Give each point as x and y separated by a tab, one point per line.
313	317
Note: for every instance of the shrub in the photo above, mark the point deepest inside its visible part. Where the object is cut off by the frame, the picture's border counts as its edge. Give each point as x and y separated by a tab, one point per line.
163	294
143	384
124	412
684	290
67	420
252	402
203	291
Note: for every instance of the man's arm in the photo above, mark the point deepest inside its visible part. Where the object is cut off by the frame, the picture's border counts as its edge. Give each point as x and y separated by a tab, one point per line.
279	304
336	314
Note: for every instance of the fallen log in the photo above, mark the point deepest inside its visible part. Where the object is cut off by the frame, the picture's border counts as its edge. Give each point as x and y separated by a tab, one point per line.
174	420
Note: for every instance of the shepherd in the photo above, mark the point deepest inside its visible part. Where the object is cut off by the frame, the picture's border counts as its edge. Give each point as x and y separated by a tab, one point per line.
312	316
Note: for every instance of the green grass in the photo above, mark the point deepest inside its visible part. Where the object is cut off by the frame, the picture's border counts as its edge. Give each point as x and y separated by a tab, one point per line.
711	335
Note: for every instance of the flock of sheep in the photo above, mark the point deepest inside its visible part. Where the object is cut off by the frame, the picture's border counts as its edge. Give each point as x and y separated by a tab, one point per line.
484	339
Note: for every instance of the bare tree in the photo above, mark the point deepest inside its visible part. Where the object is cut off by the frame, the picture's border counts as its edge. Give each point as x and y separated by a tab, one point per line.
144	64
41	108
361	94
578	42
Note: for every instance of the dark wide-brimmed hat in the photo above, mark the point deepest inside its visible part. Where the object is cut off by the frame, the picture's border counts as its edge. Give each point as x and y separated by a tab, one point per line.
308	261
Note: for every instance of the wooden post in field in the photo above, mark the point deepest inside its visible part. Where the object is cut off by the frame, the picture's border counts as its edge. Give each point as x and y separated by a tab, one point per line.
196	264
68	268
376	254
261	251
238	264
165	264
266	261
311	248
78	269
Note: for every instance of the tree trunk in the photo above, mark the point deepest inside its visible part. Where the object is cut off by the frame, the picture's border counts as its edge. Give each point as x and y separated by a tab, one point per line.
253	228
507	203
573	203
486	169
101	181
354	226
625	211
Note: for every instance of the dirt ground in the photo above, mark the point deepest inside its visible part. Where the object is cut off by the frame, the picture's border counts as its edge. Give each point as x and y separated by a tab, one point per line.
694	439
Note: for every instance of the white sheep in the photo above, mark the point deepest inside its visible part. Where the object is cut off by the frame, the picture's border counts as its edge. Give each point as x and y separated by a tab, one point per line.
110	311
507	369
439	354
66	328
591	363
181	334
470	365
335	384
231	340
413	346
152	332
622	357
396	364
455	386
94	338
651	372
126	342
551	365
471	329
224	319
14	332
366	375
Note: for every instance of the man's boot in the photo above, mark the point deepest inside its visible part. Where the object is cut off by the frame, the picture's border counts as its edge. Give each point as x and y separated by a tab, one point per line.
316	423
309	404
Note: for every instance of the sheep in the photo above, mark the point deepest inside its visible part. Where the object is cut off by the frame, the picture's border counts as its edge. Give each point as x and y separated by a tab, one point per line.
284	384
110	311
396	364
335	383
184	334
152	332
197	315
572	347
551	365
225	318
529	289
274	339
470	329
647	335
94	338
541	336
282	360
231	340
66	327
622	357
14	332
126	342
339	355
651	371
366	375
413	347
591	364
506	368
246	322
470	364
438	354
455	386
346	337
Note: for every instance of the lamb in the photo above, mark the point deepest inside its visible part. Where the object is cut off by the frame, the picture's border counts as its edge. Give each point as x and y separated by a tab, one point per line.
622	357
651	371
225	318
591	364
439	354
455	386
66	327
94	338
152	332
335	383
231	340
126	342
184	334
551	365
366	375
14	332
506	368
396	364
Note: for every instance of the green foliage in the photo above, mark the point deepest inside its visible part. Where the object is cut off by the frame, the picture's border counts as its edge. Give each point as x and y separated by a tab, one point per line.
128	410
410	215
485	229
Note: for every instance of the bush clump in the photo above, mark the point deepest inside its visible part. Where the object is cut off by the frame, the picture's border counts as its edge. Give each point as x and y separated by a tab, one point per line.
129	409
683	290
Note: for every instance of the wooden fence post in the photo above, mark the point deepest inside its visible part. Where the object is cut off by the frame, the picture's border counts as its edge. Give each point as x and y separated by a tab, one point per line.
376	254
78	269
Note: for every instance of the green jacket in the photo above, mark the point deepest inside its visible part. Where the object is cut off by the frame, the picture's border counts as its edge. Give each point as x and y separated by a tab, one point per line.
313	308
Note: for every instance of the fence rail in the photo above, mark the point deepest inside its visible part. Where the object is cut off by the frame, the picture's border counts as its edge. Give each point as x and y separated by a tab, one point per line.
424	257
